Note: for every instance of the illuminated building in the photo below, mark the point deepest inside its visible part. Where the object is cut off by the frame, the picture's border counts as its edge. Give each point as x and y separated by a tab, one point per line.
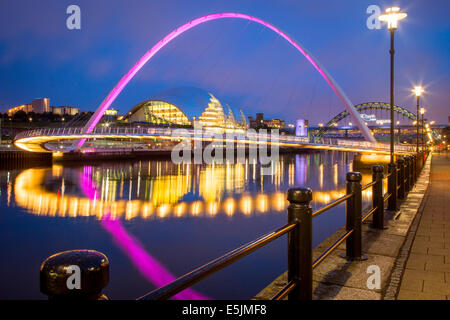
259	122
24	107
111	112
41	105
65	110
185	106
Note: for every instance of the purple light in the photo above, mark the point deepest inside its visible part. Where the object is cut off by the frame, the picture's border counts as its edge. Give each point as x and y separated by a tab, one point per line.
154	271
149	54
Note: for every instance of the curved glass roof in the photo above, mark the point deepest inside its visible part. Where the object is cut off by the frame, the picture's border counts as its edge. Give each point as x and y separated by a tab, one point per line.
191	100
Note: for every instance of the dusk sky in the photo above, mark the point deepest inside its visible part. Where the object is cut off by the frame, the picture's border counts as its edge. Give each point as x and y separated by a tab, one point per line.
241	62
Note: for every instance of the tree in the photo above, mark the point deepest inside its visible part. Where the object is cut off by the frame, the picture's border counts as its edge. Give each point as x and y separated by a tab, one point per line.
20	116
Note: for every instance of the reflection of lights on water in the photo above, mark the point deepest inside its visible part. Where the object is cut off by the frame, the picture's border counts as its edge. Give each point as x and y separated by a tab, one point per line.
196	208
262	202
246	205
278	201
165	192
321	176
163	210
335	174
179	209
212	208
229	205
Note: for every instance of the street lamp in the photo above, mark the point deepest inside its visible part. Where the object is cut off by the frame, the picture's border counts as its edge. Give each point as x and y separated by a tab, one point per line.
392	16
418	90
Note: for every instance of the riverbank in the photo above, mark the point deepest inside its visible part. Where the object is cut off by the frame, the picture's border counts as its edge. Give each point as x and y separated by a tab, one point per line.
338	279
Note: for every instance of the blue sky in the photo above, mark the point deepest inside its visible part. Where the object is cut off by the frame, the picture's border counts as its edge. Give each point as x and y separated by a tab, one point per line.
242	63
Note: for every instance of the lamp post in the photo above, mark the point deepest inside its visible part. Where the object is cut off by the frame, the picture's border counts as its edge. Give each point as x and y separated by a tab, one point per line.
418	90
392	16
422	111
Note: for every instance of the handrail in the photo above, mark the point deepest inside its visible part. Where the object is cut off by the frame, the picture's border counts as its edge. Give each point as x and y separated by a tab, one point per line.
369	214
367	186
332	204
300	244
331	248
283	292
206	270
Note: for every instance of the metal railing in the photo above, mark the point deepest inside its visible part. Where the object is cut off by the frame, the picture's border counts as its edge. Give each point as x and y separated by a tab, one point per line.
298	229
186	133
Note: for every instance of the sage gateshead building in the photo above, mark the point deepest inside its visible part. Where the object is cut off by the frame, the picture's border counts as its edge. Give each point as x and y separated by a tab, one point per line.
187	106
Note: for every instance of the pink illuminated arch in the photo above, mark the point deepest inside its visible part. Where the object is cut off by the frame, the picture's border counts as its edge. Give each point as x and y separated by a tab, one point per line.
149	54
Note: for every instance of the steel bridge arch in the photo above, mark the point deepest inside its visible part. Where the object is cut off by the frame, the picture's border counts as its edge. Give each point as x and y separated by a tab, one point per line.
106	103
366	106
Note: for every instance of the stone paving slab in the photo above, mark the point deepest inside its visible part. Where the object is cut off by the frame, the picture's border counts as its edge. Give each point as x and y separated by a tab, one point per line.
427	272
338	279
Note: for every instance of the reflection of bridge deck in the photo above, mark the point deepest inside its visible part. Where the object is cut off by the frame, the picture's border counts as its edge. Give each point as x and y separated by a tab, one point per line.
37	140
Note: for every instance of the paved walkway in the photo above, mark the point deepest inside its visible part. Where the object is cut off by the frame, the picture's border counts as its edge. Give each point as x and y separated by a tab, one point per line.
427	273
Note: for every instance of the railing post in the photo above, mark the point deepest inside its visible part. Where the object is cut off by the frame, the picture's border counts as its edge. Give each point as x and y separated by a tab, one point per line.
414	157
401	178
392	187
377	197
407	172
354	211
410	175
300	243
59	273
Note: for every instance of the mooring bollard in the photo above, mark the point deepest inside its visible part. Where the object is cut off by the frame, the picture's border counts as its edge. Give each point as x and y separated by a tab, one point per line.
411	173
75	274
300	243
401	178
407	162
392	186
377	197
354	212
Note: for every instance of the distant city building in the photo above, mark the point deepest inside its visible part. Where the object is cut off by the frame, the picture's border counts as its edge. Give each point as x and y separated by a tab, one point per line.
186	106
301	128
24	107
41	105
259	122
65	110
111	112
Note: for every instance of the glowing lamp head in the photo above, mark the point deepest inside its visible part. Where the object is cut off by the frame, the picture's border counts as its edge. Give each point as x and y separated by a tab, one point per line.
392	16
422	110
418	90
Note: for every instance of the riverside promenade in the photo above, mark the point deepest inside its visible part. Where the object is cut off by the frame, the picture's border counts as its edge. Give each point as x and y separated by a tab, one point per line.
427	272
390	249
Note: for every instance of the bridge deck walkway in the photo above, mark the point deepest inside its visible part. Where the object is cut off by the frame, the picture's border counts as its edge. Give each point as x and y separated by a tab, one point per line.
427	272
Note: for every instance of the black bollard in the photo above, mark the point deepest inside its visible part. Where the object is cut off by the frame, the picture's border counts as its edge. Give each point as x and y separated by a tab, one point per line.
377	197
353	213
300	243
392	187
93	267
401	178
